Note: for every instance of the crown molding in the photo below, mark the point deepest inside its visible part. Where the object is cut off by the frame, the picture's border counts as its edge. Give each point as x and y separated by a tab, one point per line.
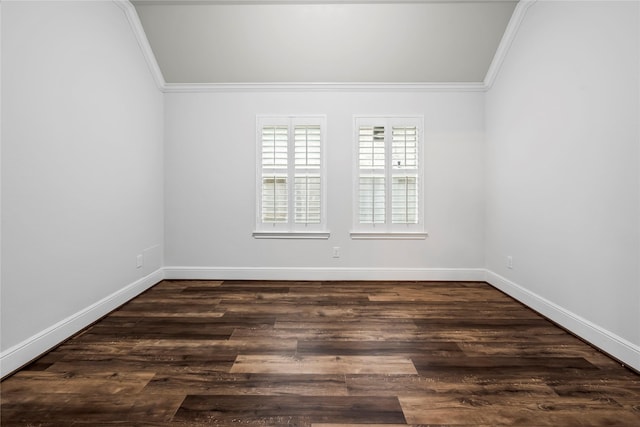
143	42
301	2
507	40
322	87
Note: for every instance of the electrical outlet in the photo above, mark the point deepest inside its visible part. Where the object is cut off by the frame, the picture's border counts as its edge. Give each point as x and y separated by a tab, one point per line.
510	262
139	261
336	251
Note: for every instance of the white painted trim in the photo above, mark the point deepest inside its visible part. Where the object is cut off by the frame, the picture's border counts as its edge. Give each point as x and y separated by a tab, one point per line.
320	273
291	235
322	87
20	354
363	235
303	2
505	43
618	347
143	42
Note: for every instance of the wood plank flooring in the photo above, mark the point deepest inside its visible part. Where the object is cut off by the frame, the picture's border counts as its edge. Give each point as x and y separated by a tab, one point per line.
322	354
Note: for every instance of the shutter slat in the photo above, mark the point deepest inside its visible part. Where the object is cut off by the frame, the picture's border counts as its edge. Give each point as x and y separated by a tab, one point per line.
275	146
404	147
307	199
371	147
371	199
404	199
307	142
291	162
274	199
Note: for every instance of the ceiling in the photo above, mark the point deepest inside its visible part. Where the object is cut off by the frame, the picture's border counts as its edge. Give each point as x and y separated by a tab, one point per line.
298	41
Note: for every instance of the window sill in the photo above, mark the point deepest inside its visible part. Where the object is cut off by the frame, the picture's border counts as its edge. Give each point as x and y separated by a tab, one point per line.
359	235
291	235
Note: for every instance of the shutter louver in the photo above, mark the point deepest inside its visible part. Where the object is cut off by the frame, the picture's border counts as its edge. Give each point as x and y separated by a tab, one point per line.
307	199
291	174
404	147
371	147
274	146
371	199
404	187
307	194
371	181
307	146
389	175
404	200
275	207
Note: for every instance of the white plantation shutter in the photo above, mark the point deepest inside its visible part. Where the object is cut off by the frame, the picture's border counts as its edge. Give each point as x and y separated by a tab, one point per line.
307	146
274	144
389	171
291	174
371	145
404	164
404	200
307	141
371	175
404	147
371	199
307	199
274	199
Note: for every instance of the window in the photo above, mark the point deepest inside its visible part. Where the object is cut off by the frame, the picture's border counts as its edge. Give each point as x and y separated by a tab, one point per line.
388	178
291	178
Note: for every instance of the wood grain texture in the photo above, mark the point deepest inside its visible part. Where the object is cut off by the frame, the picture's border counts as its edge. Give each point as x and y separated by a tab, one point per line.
322	354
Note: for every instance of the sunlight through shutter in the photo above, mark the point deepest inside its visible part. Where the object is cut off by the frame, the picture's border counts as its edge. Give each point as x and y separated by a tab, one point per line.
404	200
275	207
307	199
371	180
371	147
389	175
307	194
274	146
291	174
307	146
371	199
404	186
404	147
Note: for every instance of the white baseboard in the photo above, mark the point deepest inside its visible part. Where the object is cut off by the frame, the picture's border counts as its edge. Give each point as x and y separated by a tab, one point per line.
308	273
19	355
618	347
26	351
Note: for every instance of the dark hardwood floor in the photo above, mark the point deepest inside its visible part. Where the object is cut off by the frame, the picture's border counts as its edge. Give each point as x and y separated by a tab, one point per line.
323	354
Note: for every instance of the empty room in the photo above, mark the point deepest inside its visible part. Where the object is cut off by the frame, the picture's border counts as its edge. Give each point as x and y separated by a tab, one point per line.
320	213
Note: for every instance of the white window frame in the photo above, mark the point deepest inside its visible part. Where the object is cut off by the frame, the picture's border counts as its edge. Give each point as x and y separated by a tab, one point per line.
388	230
291	229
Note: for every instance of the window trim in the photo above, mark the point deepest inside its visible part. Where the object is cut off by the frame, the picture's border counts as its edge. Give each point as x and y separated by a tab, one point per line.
363	235
316	235
388	230
290	229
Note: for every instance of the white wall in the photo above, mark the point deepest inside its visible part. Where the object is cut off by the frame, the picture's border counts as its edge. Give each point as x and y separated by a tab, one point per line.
82	176
82	190
563	170
210	186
